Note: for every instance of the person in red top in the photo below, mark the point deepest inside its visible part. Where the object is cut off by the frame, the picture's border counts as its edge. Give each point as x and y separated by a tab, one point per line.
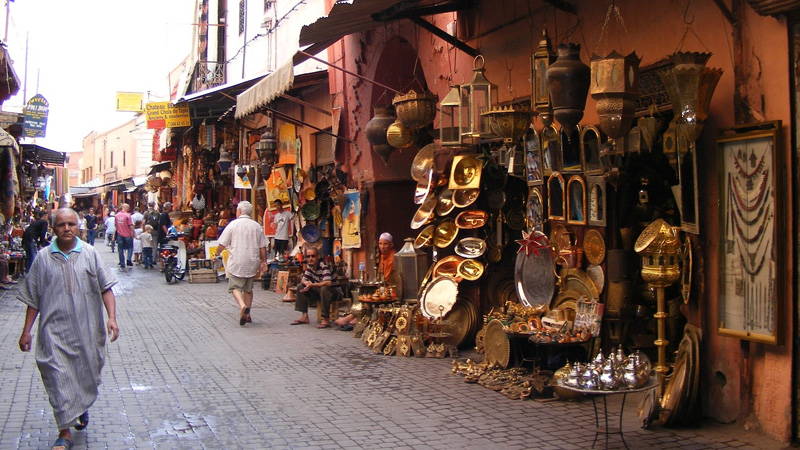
124	226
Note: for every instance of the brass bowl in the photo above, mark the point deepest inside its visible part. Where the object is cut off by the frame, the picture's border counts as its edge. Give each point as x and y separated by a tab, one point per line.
415	110
425	237
423	161
470	247
471	219
447	266
445	205
445	233
398	135
466	172
424	188
465	197
509	122
310	194
424	214
470	269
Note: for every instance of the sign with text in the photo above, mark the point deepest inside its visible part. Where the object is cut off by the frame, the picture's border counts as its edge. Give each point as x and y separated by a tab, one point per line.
130	101
167	115
36	111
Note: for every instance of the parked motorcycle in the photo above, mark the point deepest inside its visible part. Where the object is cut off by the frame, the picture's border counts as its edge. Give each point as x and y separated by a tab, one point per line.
173	257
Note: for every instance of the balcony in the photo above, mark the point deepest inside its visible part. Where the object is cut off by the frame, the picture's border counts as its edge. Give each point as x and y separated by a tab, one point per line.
208	74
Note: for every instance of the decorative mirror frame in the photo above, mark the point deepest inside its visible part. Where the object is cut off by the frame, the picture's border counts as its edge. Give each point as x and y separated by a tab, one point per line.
533	159
753	233
555	187
687	180
551	150
576	201
590	157
596	211
634	141
534	210
570	150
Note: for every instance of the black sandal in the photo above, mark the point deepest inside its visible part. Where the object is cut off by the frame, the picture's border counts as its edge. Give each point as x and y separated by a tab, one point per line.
83	421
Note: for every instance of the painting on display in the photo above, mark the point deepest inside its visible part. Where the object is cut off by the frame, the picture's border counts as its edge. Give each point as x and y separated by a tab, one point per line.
287	139
276	188
351	220
211	253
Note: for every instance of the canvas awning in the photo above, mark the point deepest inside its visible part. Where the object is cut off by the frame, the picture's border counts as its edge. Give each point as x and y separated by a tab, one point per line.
216	102
265	90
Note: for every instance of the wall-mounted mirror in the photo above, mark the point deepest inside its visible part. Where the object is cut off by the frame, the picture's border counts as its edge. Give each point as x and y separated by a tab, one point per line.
556	203
576	200
591	138
597	201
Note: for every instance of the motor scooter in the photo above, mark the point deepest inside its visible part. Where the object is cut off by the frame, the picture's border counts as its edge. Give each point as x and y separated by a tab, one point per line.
173	256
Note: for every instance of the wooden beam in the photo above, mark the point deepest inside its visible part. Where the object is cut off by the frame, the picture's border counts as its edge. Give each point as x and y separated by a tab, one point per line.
726	12
563	5
306	104
441	34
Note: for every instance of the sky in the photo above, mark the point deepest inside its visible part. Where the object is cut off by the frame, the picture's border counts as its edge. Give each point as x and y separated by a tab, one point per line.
80	53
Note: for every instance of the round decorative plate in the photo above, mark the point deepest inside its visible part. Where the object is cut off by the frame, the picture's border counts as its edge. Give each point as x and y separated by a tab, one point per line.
423	161
310	211
459	323
424	213
439	297
534	278
594	247
560	237
497	345
310	233
597	275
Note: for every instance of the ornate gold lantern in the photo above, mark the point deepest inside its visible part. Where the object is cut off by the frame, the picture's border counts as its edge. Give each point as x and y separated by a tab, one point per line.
690	85
453	111
615	87
509	122
540	95
660	248
481	95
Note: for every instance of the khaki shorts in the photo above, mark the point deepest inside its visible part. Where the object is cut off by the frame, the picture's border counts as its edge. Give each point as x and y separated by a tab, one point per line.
242	284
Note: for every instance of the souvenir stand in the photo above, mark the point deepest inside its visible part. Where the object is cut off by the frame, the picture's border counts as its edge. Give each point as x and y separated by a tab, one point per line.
595	223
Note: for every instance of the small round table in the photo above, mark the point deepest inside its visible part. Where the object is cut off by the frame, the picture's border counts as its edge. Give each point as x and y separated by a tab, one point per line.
594	393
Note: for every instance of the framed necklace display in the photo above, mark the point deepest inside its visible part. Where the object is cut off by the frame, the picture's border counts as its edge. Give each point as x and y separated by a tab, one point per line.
752	233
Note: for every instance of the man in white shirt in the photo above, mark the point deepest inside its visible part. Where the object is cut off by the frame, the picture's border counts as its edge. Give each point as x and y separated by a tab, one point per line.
111	228
247	247
282	222
137	217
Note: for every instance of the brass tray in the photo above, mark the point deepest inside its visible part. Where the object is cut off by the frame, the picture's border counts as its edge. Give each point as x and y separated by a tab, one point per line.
423	161
471	219
461	322
445	233
470	269
579	281
465	172
594	247
424	214
424	188
497	345
439	297
445	205
425	237
534	279
465	197
673	393
470	247
447	266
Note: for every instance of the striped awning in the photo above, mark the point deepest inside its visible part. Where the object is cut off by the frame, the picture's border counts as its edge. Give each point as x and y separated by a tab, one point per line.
265	90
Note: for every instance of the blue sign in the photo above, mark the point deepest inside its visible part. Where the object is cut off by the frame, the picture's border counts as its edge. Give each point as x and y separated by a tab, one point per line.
36	117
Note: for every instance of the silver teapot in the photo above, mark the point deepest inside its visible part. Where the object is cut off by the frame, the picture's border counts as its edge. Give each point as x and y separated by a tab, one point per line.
609	380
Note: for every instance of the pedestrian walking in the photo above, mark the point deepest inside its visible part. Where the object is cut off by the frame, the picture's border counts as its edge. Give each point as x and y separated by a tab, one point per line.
82	226
111	229
137	243
247	247
164	222
91	226
124	227
146	239
35	236
71	335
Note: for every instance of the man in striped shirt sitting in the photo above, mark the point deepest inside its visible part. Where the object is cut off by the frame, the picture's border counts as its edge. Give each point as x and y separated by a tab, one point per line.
315	284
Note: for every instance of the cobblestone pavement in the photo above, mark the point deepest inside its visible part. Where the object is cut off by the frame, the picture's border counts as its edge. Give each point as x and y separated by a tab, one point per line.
185	375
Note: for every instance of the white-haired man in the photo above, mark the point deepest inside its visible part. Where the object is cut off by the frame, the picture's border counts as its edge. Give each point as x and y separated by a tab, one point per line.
247	247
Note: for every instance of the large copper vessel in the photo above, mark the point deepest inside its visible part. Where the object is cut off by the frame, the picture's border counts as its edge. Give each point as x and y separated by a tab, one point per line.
568	82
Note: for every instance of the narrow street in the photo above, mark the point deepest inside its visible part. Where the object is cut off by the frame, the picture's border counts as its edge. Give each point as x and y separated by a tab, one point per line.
185	375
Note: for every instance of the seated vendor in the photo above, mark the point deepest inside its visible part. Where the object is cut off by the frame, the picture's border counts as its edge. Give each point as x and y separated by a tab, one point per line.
315	284
386	272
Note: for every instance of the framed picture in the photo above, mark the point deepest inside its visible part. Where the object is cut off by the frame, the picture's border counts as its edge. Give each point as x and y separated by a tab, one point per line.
555	197
596	197
591	138
535	210
533	160
570	140
551	150
752	255
576	200
282	285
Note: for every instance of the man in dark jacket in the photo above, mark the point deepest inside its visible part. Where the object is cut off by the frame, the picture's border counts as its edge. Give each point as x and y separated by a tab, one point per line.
34	237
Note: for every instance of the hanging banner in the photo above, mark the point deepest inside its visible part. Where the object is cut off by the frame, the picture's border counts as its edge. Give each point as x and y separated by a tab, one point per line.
287	140
167	115
36	111
351	220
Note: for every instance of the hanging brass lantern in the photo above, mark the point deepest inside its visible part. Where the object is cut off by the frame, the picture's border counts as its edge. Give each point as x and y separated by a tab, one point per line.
509	122
615	87
398	135
453	111
690	85
568	83
540	95
375	131
481	95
